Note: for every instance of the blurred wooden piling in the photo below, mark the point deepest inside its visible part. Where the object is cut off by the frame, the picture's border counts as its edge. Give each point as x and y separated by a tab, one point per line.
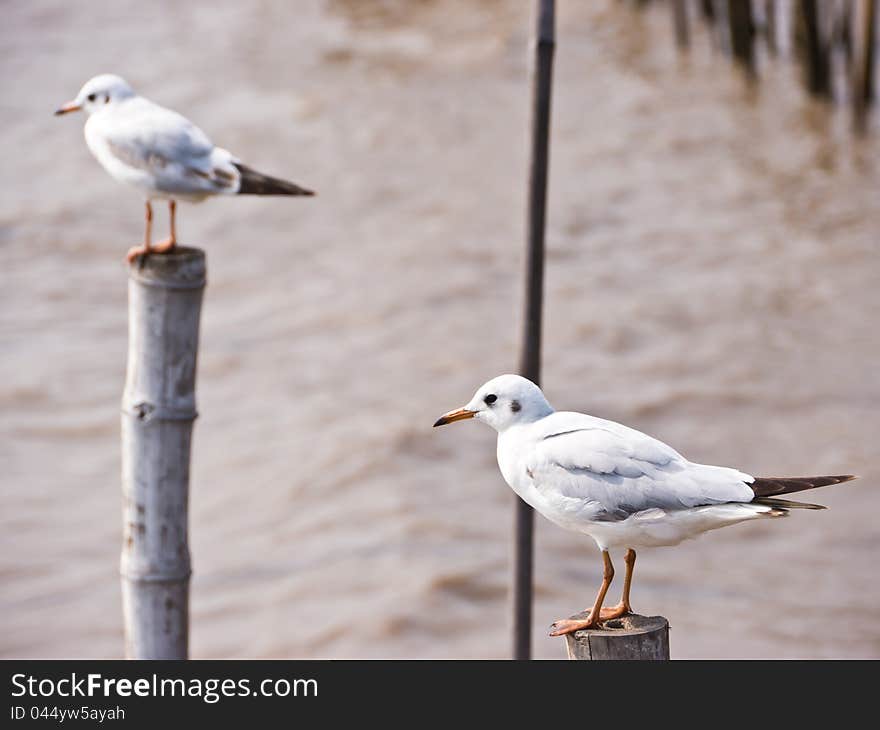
530	354
629	637
680	22
813	48
770	27
863	39
158	409
742	33
708	8
832	41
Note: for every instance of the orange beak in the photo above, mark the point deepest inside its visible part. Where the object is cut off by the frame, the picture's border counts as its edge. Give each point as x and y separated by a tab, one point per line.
68	107
460	415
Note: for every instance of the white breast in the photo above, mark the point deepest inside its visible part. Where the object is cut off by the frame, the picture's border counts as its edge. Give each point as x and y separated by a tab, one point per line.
513	456
118	170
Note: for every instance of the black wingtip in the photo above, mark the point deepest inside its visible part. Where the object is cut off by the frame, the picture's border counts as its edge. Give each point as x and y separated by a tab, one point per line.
252	182
775	486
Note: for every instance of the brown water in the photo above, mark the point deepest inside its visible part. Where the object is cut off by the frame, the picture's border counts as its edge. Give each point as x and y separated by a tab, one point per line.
712	279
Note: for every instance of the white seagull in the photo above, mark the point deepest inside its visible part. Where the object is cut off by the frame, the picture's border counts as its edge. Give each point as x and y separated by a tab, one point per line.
617	485
161	153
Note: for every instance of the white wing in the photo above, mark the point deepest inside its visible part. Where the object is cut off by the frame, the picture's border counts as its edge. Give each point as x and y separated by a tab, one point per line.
622	471
176	153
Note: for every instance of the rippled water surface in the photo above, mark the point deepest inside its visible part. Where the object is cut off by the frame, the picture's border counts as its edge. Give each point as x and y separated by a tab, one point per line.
712	279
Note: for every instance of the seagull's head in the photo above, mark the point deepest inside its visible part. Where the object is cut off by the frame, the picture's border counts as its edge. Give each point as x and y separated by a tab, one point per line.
503	402
97	93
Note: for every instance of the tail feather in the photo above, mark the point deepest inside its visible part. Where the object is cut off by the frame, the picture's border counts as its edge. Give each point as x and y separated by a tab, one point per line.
256	183
772	486
785	504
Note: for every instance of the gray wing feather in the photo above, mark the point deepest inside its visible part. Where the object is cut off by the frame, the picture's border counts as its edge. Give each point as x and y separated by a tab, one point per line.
170	147
624	471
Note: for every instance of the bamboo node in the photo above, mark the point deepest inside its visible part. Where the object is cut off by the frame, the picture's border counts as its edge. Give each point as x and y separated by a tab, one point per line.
145	411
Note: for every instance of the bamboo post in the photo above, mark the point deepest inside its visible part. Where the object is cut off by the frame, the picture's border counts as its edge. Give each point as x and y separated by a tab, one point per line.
630	637
158	409
863	61
530	355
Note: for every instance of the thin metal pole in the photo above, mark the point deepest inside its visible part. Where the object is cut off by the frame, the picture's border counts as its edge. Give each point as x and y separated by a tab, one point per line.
530	356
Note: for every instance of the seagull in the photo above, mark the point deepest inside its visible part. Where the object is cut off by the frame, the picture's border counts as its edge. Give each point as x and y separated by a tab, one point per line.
161	153
621	487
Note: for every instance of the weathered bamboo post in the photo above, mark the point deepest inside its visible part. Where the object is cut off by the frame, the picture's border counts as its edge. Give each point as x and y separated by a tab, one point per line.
530	355
863	28
158	409
629	637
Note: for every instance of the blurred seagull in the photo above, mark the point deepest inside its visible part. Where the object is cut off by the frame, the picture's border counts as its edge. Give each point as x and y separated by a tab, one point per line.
162	153
617	485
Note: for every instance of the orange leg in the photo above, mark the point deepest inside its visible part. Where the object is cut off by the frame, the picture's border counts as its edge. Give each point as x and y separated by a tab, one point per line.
171	241
623	608
136	251
569	625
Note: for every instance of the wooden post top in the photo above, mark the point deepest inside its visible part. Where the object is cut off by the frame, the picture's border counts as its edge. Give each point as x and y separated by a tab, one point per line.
181	268
629	637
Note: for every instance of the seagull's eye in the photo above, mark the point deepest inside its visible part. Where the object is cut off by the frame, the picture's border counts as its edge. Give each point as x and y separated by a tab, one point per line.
91	97
490	399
